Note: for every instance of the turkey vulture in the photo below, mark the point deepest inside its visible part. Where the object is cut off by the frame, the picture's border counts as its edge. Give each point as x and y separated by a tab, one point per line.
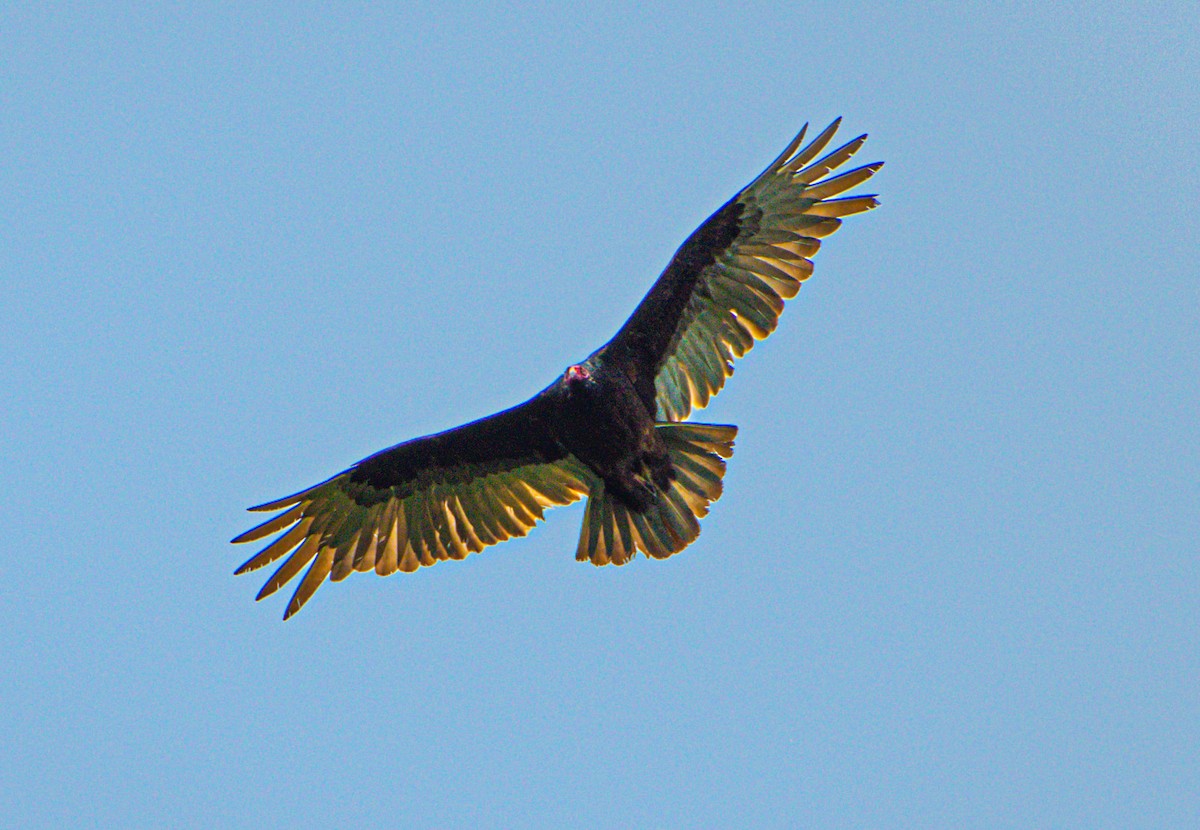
610	428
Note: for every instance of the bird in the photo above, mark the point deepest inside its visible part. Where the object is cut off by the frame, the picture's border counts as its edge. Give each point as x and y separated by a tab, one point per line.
612	428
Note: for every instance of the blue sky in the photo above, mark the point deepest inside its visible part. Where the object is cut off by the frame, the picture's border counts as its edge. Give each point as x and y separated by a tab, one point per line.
953	579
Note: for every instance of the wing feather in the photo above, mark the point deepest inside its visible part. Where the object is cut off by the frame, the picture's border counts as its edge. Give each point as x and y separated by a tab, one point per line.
315	576
285	519
343	564
291	566
277	548
832	161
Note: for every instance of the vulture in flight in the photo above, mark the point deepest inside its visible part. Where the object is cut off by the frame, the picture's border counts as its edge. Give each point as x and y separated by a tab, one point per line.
612	428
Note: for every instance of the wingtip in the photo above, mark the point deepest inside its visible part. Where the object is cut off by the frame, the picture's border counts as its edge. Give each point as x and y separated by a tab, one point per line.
294	498
874	167
279	504
787	153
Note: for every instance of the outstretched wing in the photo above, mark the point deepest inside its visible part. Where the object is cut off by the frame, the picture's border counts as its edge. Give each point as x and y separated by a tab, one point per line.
726	285
433	498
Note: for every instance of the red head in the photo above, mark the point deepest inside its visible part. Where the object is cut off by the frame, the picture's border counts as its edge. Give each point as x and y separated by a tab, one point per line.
577	374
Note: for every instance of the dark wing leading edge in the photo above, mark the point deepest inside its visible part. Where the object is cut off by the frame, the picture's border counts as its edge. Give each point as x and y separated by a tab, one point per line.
726	284
433	498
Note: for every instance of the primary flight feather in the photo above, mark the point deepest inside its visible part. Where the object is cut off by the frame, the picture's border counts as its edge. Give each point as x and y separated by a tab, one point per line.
610	428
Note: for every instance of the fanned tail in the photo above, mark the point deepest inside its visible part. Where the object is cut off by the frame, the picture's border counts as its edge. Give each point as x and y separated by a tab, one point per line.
613	534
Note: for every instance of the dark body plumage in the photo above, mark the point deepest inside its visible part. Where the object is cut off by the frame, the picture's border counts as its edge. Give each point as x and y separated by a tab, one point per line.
610	428
605	424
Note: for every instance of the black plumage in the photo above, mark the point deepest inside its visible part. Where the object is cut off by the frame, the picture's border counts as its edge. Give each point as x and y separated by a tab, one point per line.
610	428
